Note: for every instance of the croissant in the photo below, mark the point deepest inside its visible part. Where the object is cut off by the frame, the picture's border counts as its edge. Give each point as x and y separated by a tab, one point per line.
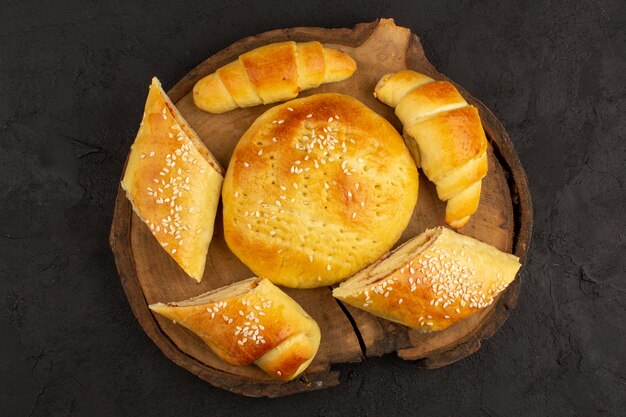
173	182
445	136
271	73
251	321
432	281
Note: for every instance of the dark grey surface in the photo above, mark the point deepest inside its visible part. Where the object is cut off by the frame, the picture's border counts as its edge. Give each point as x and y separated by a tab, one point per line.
73	79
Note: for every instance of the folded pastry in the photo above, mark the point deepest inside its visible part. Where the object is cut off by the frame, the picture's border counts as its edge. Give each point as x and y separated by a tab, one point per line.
251	321
316	189
173	182
432	281
445	136
271	73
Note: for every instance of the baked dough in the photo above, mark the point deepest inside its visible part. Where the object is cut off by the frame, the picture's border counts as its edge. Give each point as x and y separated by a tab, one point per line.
317	189
173	183
432	281
445	136
251	321
271	73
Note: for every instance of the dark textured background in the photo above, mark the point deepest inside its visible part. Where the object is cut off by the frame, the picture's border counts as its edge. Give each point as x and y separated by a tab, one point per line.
73	79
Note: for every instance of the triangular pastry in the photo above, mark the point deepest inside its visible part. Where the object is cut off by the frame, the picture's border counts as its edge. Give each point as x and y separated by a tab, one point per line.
251	321
432	281
173	182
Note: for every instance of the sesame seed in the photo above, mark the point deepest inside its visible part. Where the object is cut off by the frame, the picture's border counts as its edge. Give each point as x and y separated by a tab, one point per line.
260	152
246	164
236	194
152	153
328	267
308	116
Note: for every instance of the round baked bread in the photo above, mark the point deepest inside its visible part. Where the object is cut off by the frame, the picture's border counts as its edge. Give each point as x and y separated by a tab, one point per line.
317	189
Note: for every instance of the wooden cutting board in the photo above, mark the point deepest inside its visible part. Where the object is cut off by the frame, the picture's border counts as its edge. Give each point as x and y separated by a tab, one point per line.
504	219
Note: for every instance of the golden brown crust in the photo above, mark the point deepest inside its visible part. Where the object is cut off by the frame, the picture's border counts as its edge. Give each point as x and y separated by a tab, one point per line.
450	141
257	324
235	79
311	64
210	94
173	182
339	65
271	73
392	88
428	100
316	189
432	281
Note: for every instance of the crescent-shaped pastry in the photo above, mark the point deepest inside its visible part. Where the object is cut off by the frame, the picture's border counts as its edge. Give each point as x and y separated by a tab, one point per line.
445	136
271	73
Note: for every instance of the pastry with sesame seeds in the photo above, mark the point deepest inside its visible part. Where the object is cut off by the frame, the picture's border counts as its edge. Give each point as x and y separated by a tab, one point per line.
432	281
445	136
334	192
271	73
173	182
251	321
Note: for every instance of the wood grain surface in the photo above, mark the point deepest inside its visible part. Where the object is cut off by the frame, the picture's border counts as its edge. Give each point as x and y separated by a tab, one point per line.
504	219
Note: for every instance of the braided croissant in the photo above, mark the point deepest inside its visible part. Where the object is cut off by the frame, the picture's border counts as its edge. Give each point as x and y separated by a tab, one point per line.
271	73
445	136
